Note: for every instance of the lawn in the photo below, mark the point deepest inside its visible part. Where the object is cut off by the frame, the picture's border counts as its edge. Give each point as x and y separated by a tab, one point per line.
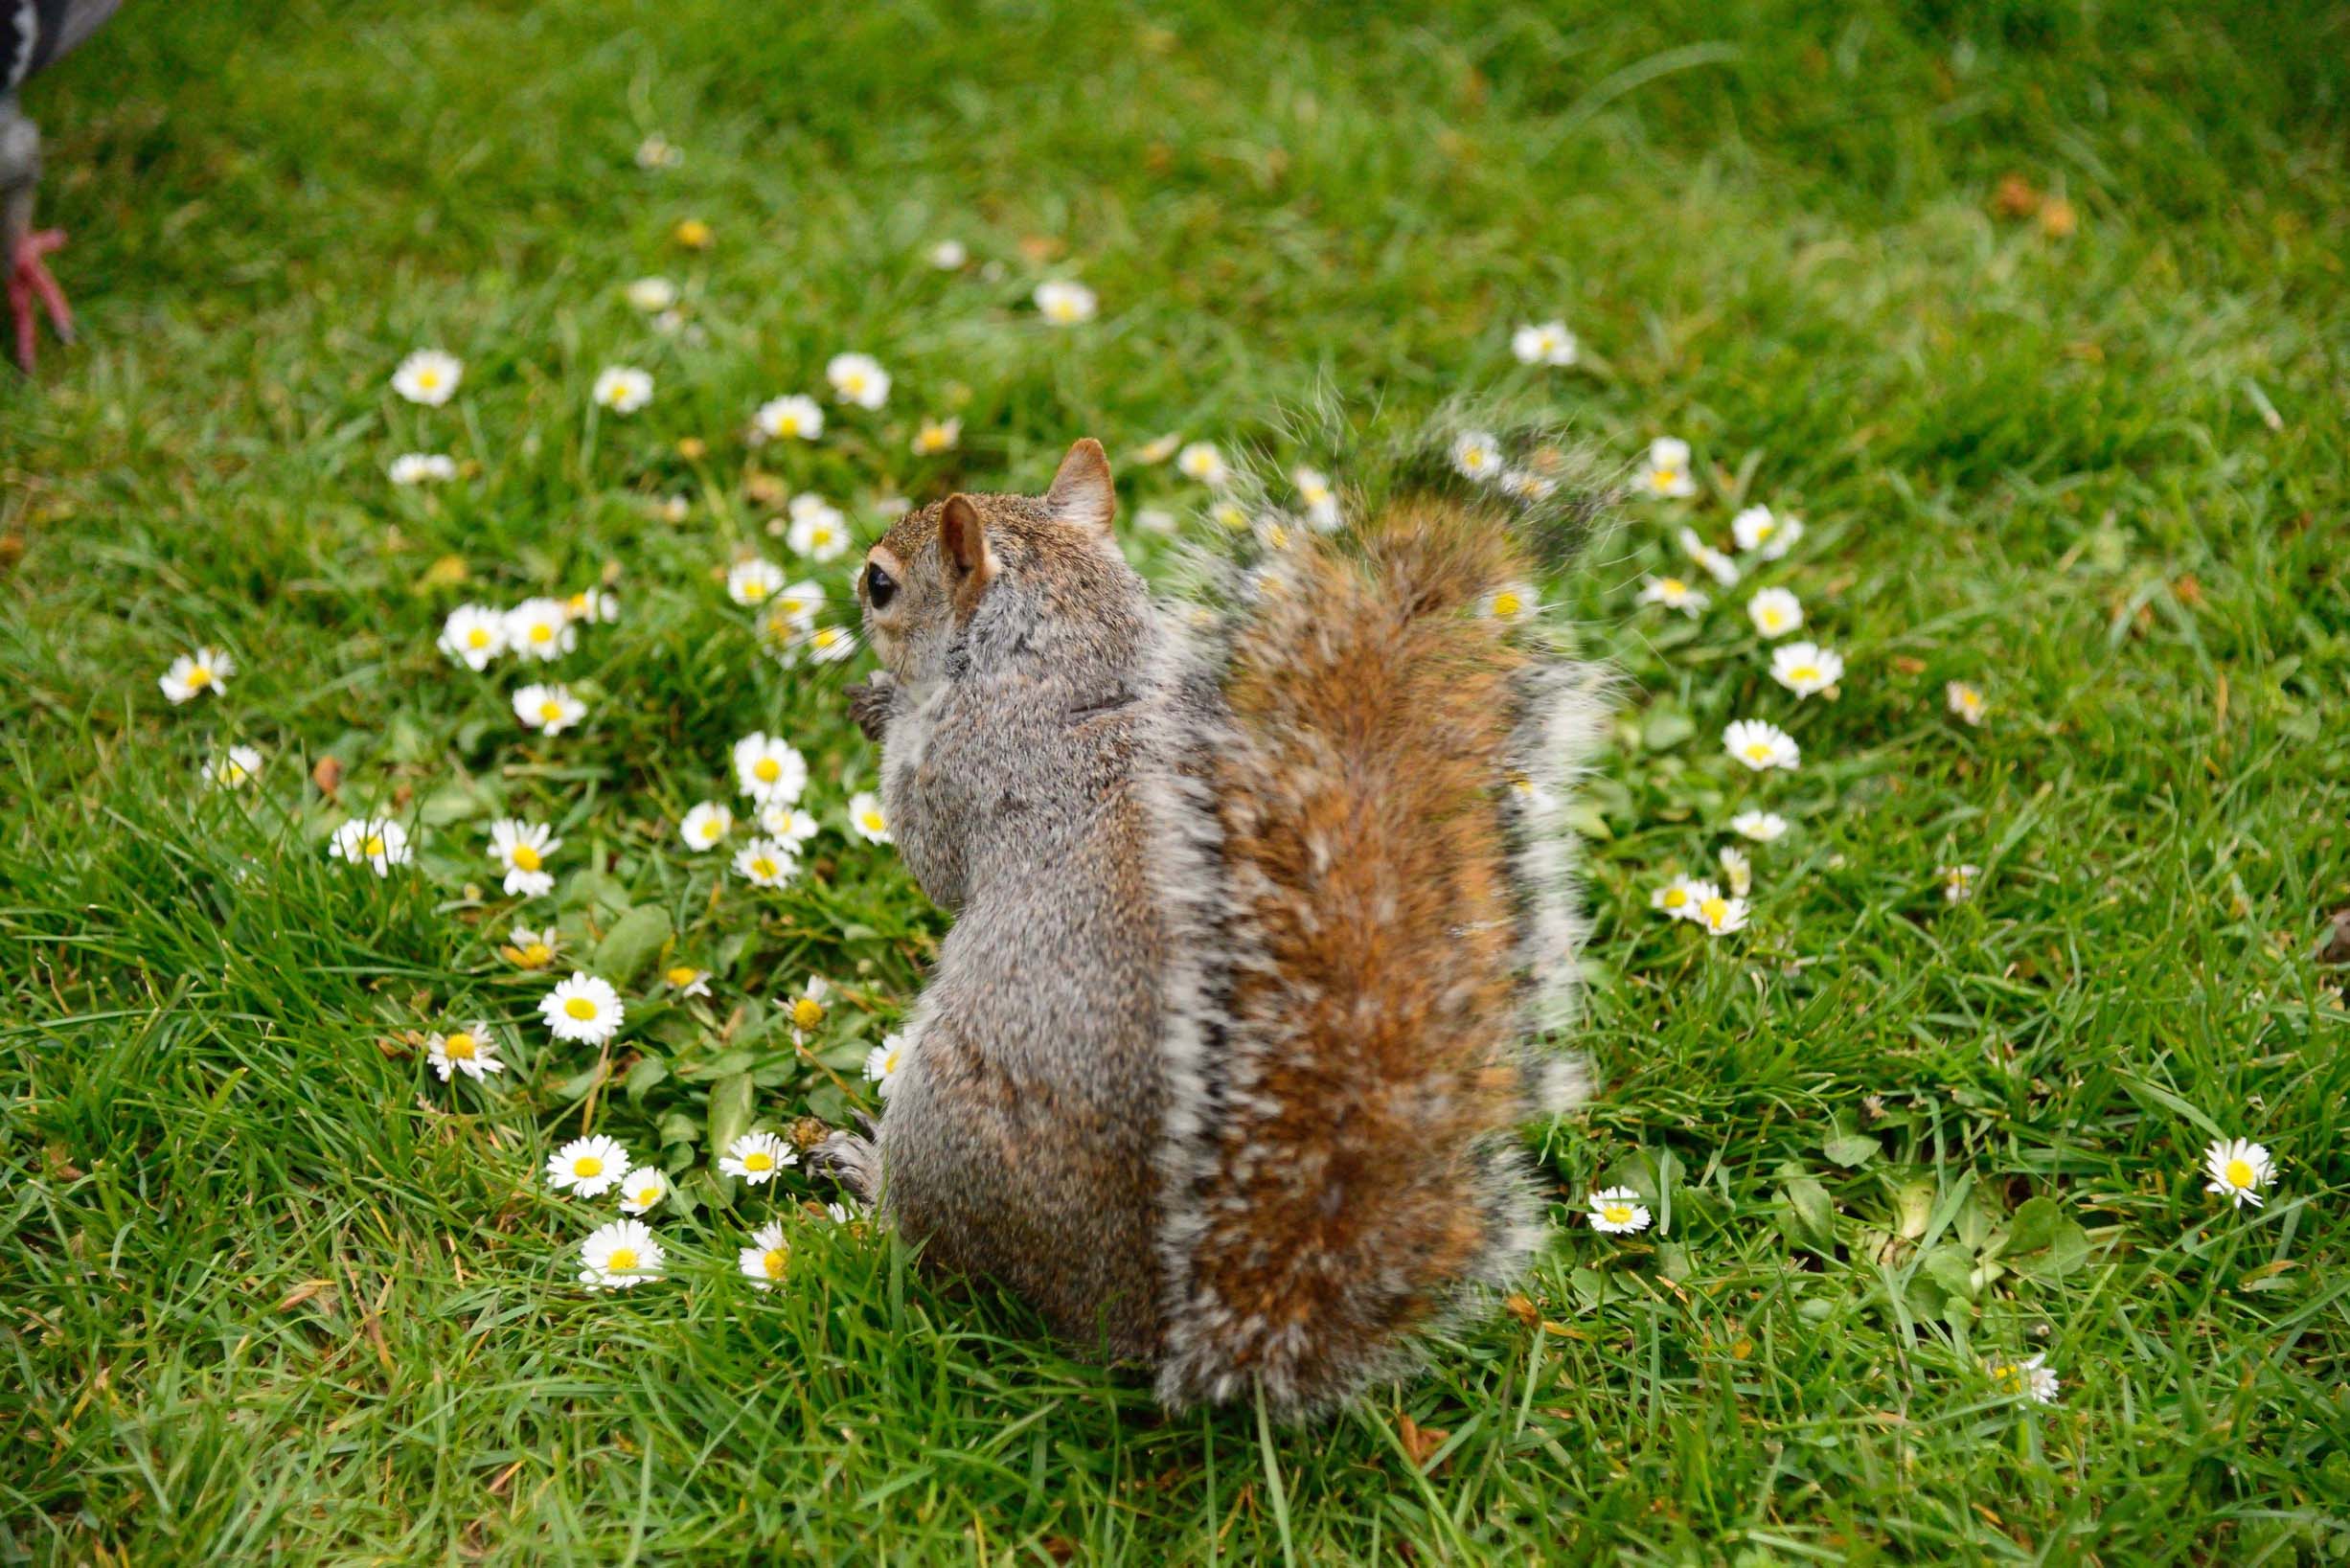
2033	313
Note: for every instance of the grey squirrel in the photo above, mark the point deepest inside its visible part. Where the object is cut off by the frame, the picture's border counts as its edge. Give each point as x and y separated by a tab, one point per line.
1222	1059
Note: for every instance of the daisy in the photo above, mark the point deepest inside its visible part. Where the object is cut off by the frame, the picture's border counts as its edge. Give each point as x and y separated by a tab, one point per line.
584	1008
865	816
1761	745
763	1262
1617	1211
588	1167
1957	882
1548	344
1674	594
686	980
2239	1169
191	674
1806	668
619	1255
1718	566
1229	514
550	709
1512	602
371	841
1476	454
592	606
884	1062
472	1051
1764	537
539	628
1065	304
623	389
808	1008
1721	915
473	636
705	824
1201	461
757	1157
234	768
1762	827
422	468
529	949
1321	496
1525	485
1680	898
750	581
788	823
949	255
1156	520
641	1188
652	294
935	436
768	768
2028	1380
766	863
693	233
1737	871
656	153
818	531
1668	469
796	418
1965	701
522	848
858	378
1774	612
428	376
1158	449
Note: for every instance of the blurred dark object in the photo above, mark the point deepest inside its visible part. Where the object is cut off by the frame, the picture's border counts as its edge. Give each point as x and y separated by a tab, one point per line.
33	34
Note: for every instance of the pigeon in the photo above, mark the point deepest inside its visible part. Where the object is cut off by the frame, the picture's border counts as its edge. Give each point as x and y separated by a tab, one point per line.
33	34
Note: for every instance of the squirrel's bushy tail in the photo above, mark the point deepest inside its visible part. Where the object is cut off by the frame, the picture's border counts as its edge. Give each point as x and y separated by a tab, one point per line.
1398	891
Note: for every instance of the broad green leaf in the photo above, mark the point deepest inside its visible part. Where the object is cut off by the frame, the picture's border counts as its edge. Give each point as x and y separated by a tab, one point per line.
1851	1152
634	941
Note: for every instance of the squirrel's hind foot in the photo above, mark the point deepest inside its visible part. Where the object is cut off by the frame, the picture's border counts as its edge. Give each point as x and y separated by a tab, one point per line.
852	1160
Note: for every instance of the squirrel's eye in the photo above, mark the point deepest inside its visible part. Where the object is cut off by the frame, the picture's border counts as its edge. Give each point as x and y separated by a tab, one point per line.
879	586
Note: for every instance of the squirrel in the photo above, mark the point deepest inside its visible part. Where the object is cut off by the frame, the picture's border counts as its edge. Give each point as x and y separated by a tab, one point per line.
1222	1061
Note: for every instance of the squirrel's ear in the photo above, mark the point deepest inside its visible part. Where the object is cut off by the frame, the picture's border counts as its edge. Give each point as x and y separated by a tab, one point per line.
1082	493
963	540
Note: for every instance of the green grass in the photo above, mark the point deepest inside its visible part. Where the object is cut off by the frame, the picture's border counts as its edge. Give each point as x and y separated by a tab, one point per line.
270	1290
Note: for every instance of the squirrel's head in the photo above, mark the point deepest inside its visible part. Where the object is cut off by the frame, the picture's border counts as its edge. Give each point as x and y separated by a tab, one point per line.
975	582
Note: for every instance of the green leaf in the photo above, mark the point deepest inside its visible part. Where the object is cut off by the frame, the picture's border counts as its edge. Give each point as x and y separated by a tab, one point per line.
647	1072
1665	727
2034	1226
634	941
2066	1250
1953	1268
1851	1152
730	1112
1811	1210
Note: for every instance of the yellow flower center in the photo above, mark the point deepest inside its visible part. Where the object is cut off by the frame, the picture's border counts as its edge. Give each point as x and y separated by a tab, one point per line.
233	772
853	381
684	974
1758	751
1506	604
788	608
788	424
772	1263
622	1260
1664	479
648	1195
1771	618
758	1158
2008	1377
198	675
807	1012
550	712
537	954
873	822
542	633
587	1164
1674	587
2239	1174
825	637
761	867
477	638
1804	672
373	846
579	1007
889	1064
1714	909
458	1046
526	858
1762	530
1617	1214
1675	897
755	590
766	770
819	538
428	379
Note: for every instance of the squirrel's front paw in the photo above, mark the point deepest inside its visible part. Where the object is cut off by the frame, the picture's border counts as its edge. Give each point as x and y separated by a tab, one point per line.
869	703
851	1161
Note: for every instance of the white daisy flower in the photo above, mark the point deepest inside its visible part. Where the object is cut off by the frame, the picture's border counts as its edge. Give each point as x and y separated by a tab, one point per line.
1680	898
1965	701
788	823
423	469
2239	1168
1737	871
750	581
472	1051
820	645
706	824
1158	449
657	153
1617	1211
818	530
1320	497
376	842
540	629
769	768
1512	602
1806	668
866	818
2029	1380
522	849
808	1010
1547	344
473	635
1762	827
1668	469
763	862
642	1188
1065	304
858	378
651	295
1957	882
1718	566
583	1009
588	1167
1775	612
623	389
1761	745
1721	915
949	255
686	980
550	709
763	1261
884	1062
1156	520
592	606
935	436
1201	461
619	1255
192	675
1764	537
234	768
428	376
529	949
1229	514
1525	485
796	418
843	1214
1476	454
1674	594
757	1157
